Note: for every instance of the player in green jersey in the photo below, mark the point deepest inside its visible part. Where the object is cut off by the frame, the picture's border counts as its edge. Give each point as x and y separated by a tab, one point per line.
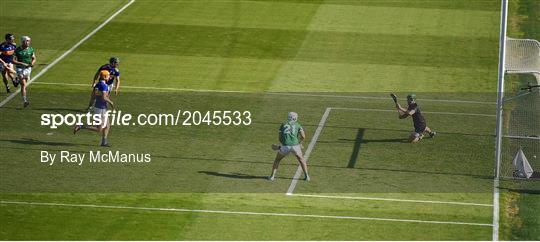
24	59
291	136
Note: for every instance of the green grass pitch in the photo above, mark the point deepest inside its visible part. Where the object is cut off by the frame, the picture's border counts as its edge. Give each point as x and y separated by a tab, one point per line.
270	57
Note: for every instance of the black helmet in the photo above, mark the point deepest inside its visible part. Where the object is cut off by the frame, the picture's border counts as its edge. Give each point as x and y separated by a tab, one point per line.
10	37
114	60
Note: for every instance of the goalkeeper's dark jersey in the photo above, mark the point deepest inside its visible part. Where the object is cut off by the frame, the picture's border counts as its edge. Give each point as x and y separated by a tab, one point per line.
418	119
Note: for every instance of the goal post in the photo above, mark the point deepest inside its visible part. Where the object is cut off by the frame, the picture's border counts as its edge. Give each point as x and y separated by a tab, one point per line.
523	57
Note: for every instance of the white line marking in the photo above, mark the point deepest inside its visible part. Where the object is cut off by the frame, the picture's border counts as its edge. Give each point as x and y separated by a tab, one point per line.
266	93
521	137
309	149
496	208
44	70
393	200
240	213
388	110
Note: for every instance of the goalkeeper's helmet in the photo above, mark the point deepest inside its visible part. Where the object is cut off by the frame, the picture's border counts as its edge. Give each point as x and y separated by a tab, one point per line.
114	60
292	117
411	97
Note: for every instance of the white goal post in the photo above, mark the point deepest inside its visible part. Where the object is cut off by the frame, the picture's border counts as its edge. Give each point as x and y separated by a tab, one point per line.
523	57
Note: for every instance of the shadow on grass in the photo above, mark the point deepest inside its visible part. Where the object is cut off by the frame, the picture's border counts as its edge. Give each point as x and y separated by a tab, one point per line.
26	141
232	175
365	141
295	164
527	191
57	110
439	132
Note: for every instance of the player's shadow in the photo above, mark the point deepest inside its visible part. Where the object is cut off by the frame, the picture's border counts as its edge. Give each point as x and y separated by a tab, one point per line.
365	141
26	141
294	164
57	110
527	191
232	175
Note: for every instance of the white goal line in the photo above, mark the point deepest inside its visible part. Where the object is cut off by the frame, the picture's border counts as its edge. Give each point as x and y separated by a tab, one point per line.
393	200
292	215
521	137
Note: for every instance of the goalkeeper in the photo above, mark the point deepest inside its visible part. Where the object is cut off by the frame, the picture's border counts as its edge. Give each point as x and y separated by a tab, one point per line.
419	122
291	135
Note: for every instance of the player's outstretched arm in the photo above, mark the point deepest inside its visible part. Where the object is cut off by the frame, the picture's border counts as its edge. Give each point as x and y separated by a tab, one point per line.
117	88
96	76
33	59
302	137
92	98
402	112
17	62
107	99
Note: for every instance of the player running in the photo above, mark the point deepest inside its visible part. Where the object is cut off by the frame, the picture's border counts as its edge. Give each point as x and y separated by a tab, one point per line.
101	97
7	51
289	133
112	68
419	121
24	59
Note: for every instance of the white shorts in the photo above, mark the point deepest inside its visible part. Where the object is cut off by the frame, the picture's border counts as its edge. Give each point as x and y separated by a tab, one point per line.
295	149
9	66
24	72
111	86
102	112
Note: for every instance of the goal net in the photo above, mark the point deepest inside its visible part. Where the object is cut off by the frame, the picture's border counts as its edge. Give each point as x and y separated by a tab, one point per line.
523	56
520	149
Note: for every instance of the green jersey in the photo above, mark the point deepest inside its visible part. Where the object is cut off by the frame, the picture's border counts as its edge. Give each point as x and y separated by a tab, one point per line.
288	133
24	55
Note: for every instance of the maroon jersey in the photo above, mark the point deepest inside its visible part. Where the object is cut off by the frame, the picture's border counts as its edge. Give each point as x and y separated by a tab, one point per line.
418	119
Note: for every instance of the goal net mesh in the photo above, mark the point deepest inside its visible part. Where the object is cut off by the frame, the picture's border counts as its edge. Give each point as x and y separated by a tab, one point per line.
523	56
521	110
521	129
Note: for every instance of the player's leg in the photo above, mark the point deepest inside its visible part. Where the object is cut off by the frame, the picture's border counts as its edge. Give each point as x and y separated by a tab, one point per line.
23	76
23	91
98	128
77	128
105	134
431	132
10	72
301	160
5	77
279	157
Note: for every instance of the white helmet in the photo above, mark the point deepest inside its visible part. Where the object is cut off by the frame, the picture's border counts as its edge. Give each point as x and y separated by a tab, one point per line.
292	117
24	38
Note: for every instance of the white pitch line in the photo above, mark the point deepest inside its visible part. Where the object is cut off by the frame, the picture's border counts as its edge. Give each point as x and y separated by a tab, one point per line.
240	213
496	209
521	137
393	200
308	150
44	70
388	110
265	93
